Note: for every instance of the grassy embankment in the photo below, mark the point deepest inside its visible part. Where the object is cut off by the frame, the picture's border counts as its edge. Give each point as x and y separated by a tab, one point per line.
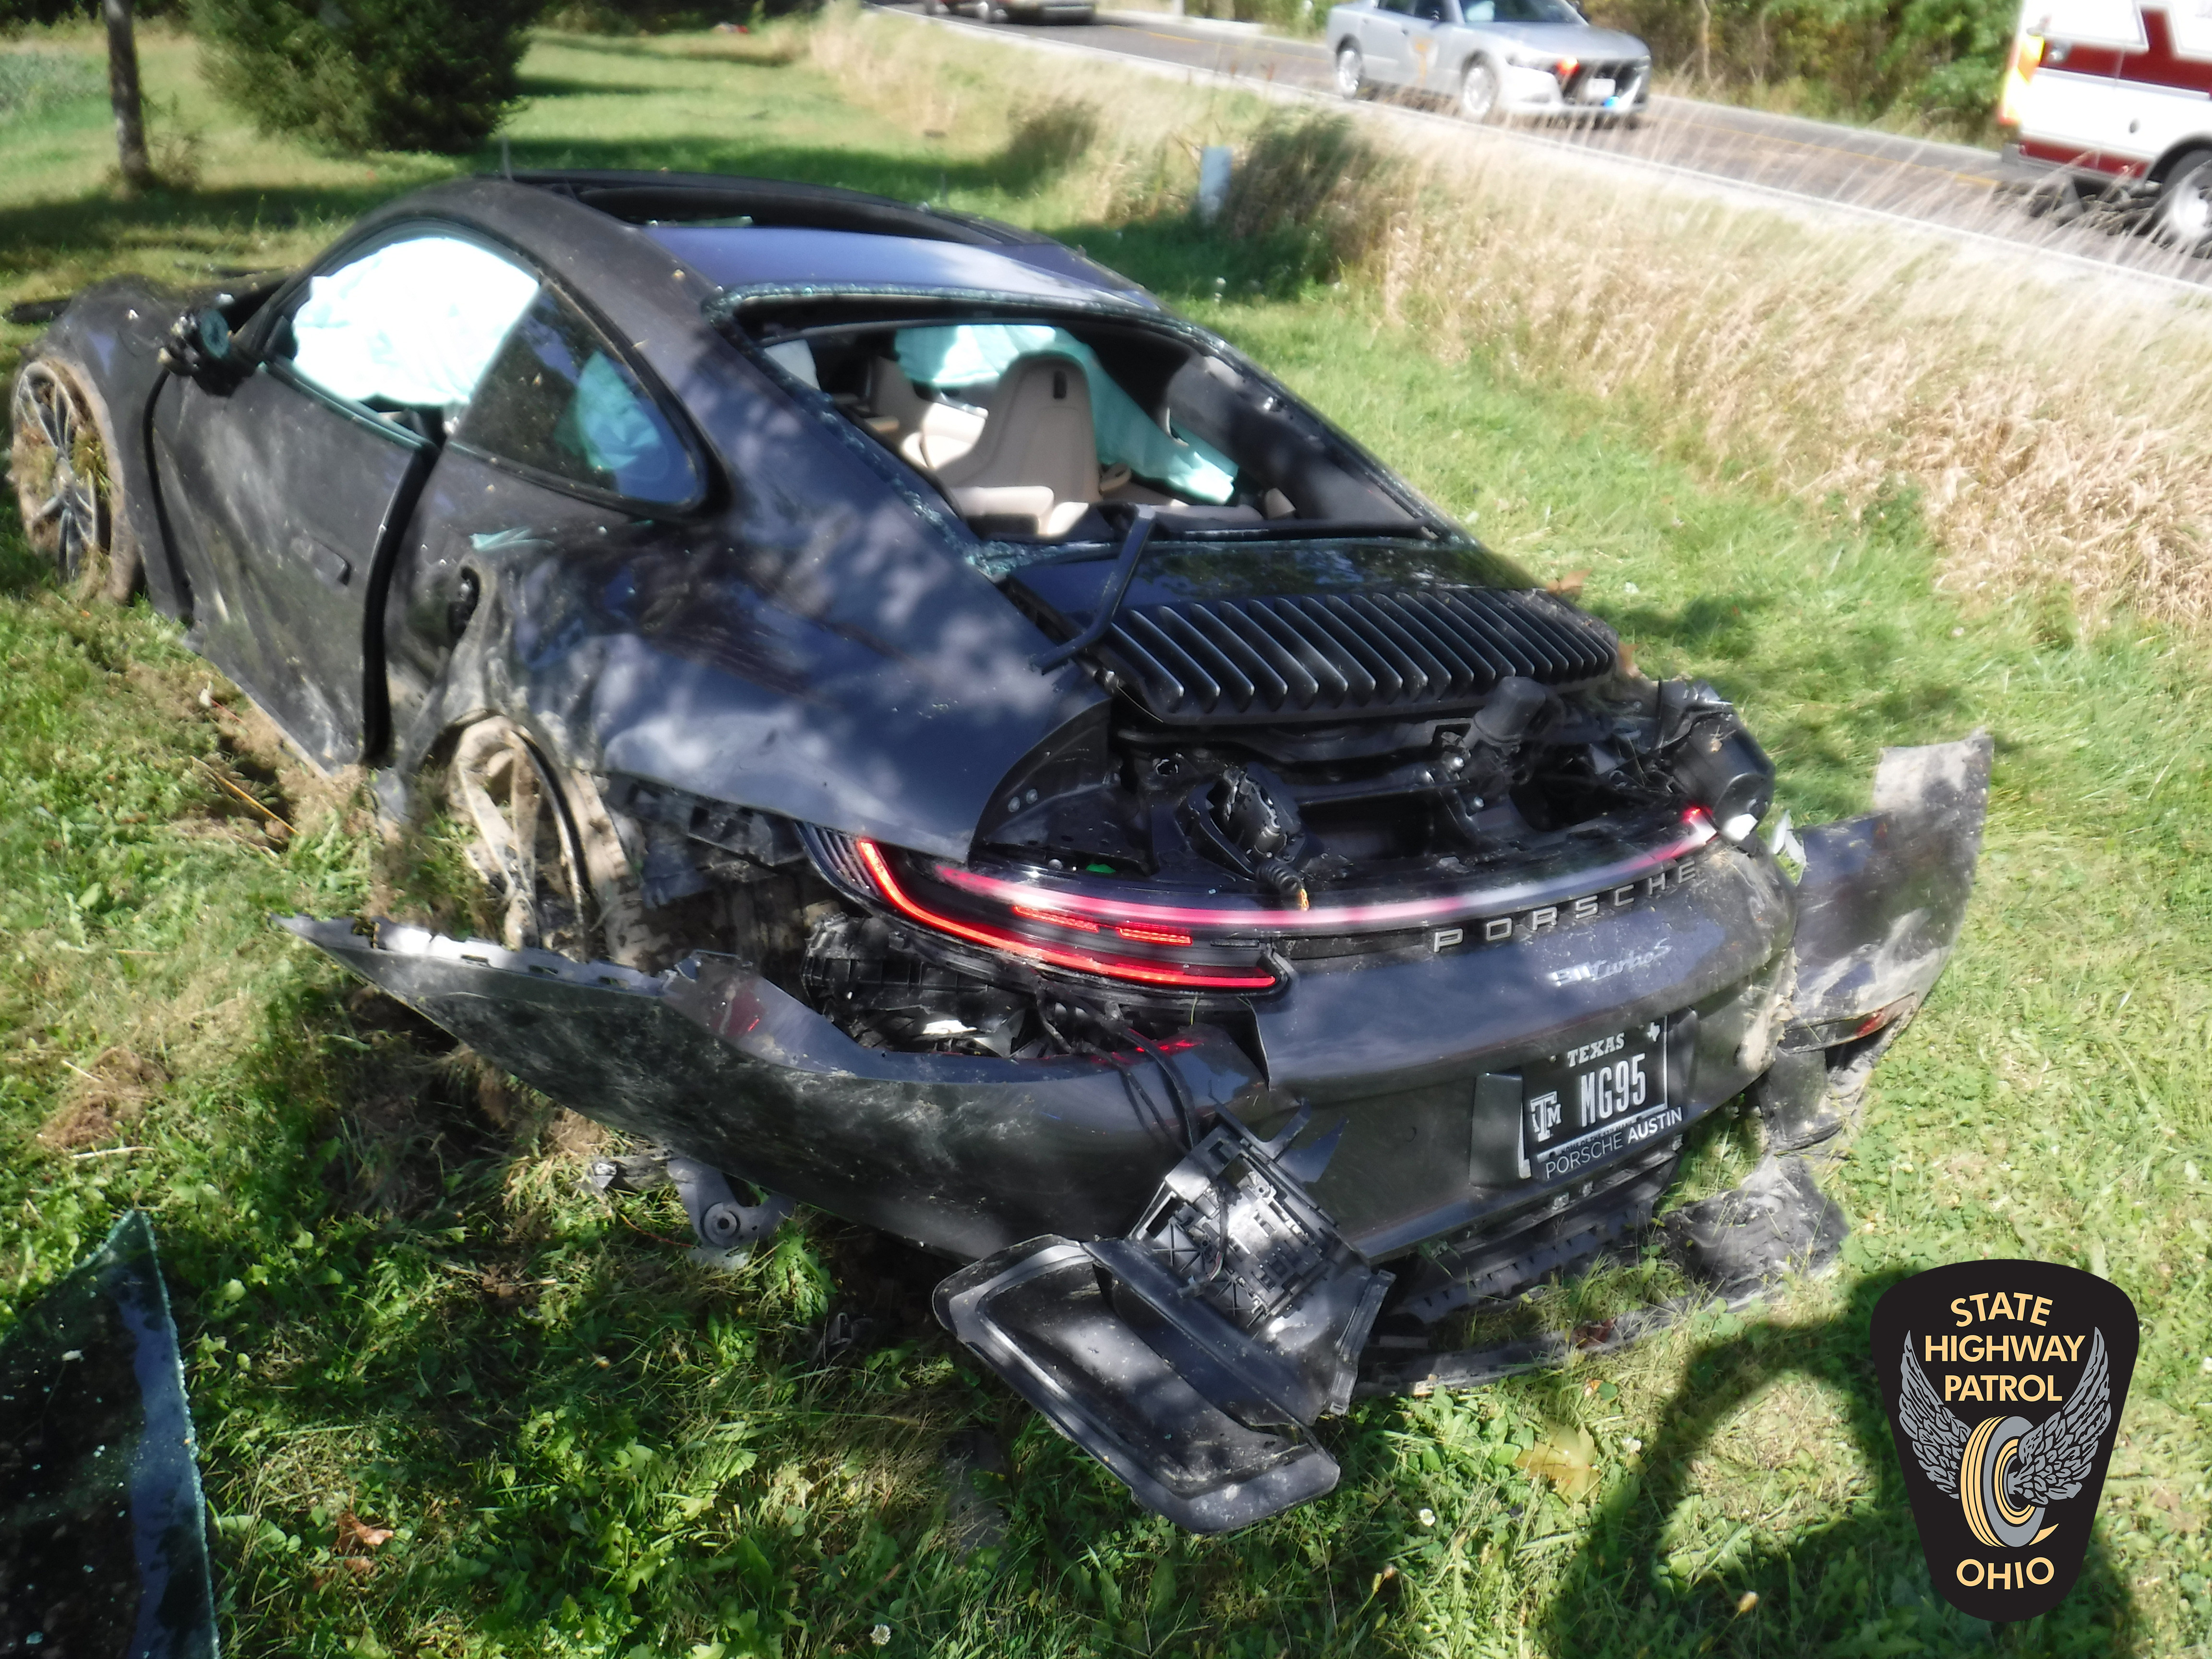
397	1306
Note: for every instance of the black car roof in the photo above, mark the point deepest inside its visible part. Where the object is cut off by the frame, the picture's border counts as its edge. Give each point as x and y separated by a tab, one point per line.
690	197
825	238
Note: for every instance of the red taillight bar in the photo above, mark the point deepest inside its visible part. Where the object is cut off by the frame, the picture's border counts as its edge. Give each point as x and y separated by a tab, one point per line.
1082	961
1153	935
1248	917
1029	914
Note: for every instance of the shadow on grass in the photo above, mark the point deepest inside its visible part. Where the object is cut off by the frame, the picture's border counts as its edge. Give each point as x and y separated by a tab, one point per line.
21	570
102	225
1858	1586
754	52
530	1384
555	86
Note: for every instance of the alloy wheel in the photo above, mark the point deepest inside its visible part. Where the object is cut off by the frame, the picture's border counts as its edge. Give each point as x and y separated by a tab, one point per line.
1477	93
1351	72
527	847
2183	216
61	475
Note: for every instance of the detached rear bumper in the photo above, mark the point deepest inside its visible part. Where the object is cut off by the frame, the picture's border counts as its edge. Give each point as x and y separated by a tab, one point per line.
968	1156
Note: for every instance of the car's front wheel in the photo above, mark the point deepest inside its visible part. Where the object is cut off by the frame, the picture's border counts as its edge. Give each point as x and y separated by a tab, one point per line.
65	482
1352	72
2183	218
1479	91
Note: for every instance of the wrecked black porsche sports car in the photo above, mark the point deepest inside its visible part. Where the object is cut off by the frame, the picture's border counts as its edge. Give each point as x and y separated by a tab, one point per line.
958	746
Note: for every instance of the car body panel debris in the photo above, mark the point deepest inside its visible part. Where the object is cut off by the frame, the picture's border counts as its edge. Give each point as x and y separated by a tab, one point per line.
103	1528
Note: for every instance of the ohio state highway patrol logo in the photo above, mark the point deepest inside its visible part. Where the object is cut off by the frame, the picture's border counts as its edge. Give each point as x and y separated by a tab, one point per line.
2004	1382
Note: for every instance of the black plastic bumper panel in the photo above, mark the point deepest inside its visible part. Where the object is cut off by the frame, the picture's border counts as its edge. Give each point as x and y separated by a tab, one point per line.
1191	1356
1042	1317
965	1156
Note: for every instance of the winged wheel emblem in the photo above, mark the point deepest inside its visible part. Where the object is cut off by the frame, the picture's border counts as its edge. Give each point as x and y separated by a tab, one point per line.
2005	1471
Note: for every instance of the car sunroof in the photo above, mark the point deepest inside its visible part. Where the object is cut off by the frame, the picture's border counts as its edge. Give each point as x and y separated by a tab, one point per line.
762	256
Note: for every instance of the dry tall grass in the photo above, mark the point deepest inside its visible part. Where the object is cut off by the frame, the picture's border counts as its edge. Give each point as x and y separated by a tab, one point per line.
2055	431
2050	436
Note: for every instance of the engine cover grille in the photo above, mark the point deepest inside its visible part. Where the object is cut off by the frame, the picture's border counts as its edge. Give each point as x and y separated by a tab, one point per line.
1330	656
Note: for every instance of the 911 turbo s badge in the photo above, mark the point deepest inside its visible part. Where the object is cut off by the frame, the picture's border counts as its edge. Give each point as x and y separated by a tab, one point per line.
2004	1383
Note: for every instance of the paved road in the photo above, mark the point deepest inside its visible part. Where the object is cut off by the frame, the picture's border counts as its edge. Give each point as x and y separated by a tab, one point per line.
1950	186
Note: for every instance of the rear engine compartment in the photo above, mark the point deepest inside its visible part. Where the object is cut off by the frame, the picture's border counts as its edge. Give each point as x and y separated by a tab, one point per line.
1137	875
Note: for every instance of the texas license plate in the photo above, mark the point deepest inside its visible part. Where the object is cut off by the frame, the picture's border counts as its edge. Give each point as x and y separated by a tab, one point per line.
1597	1101
1596	91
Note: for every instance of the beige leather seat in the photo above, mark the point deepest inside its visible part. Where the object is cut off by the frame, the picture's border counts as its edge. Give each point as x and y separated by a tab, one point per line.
1038	456
928	433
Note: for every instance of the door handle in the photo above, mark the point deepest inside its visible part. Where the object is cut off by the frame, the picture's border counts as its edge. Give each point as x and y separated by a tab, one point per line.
326	563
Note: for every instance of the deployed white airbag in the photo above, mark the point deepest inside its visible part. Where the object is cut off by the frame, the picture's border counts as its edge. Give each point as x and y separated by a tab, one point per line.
416	322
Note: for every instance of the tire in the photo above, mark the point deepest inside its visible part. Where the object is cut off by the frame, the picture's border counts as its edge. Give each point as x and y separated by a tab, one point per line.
64	481
1479	89
1352	72
2182	217
2058	200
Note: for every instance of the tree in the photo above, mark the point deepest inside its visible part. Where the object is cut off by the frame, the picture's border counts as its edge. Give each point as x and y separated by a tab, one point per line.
368	74
123	94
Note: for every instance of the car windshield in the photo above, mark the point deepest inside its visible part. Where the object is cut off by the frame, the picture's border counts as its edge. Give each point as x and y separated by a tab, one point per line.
1053	429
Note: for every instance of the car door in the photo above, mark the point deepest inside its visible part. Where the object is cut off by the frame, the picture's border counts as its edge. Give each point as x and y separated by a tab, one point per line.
1382	42
1426	26
565	443
287	485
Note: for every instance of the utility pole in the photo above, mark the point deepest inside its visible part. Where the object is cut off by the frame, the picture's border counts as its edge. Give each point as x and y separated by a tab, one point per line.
122	95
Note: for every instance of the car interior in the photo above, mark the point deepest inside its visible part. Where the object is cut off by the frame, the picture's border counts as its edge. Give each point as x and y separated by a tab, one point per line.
1036	429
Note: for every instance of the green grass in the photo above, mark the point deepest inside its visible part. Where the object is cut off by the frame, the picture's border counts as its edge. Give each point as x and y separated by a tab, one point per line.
397	1302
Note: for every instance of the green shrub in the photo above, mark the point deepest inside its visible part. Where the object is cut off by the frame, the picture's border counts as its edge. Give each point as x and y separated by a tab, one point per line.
1315	178
368	74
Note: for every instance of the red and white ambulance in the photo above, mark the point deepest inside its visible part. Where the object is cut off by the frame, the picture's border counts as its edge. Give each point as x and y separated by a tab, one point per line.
2114	98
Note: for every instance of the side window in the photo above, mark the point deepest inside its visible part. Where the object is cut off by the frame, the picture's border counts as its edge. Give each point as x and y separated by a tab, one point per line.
559	400
1399	6
411	325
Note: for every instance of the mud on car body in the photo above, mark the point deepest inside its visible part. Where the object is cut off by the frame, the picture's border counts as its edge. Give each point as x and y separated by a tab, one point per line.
956	745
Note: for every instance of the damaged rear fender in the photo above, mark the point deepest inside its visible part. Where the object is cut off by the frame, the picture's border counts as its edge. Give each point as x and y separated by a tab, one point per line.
1883	896
1879	910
